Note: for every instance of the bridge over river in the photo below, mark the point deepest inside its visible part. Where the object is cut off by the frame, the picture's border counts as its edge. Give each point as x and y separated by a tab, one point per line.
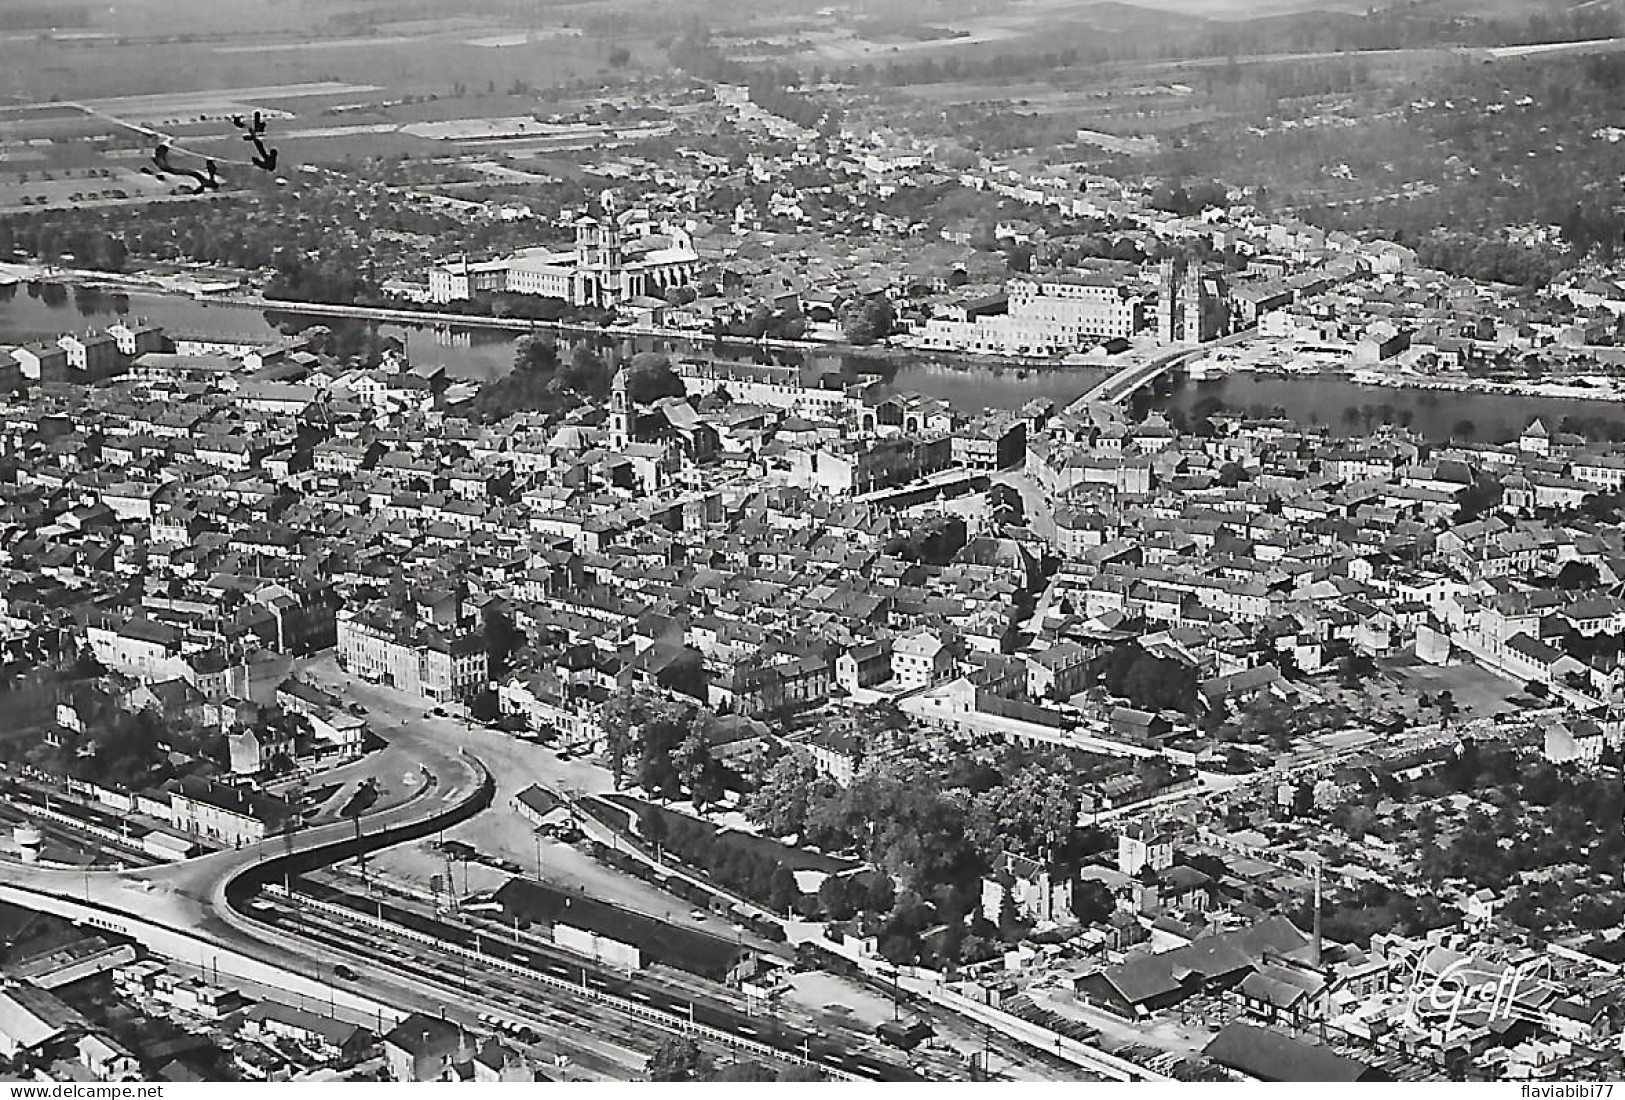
1121	386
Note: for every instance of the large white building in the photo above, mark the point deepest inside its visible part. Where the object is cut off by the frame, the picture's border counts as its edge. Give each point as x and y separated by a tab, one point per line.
765	384
437	664
615	259
225	815
1048	316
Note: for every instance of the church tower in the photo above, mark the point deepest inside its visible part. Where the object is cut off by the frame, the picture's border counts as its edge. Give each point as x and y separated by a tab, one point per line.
1170	315
610	242
620	412
1194	303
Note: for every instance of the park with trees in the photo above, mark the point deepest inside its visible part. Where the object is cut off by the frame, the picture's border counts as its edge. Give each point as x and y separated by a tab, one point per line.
928	819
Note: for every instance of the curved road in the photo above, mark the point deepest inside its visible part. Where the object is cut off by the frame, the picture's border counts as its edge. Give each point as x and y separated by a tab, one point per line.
190	896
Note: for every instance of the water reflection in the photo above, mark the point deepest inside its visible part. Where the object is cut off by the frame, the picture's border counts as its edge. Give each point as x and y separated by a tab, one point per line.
476	354
97	303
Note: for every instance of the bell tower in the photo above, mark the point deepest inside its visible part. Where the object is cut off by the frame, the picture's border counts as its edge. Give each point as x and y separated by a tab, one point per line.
620	412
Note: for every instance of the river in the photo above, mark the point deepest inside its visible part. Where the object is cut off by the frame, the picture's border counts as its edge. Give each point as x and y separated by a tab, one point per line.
31	313
1434	414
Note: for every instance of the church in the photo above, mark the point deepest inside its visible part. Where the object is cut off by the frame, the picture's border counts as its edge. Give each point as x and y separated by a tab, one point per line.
617	258
648	447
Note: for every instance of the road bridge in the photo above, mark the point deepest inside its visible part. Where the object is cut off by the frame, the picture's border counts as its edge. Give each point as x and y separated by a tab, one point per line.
1122	385
188	910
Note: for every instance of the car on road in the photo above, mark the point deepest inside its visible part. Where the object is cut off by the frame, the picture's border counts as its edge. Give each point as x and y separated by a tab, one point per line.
699	914
358	710
345	973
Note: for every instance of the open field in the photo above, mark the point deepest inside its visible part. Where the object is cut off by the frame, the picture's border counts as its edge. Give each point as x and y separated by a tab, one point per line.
451	24
75	189
522	38
240	18
476	104
1542	49
1225	10
94	70
1025	24
189	103
163	17
1478	694
98	133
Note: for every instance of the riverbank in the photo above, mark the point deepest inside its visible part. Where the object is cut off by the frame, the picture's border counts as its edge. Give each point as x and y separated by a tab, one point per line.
230	290
1324	396
1581	388
1587	387
1296	358
189	284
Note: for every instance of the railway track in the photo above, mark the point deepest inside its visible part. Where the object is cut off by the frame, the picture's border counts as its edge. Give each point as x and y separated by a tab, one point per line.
527	968
574	1026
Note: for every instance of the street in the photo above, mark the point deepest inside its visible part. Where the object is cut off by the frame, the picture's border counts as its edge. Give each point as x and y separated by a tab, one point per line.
499	831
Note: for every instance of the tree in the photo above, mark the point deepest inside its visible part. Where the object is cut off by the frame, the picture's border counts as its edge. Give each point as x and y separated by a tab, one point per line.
783	893
880	893
536	354
618	721
86	666
1211	866
1148	682
1267	719
867	320
649	377
666	727
698	769
1355	669
618	57
1476	499
835	898
780	804
534	385
677	1059
1578	573
502	638
485	707
685	674
1026	813
587	373
910	830
1009	918
1092	901
640	732
652	825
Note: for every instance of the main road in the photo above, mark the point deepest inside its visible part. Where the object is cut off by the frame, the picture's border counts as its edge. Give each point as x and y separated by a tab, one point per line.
202	912
184	894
